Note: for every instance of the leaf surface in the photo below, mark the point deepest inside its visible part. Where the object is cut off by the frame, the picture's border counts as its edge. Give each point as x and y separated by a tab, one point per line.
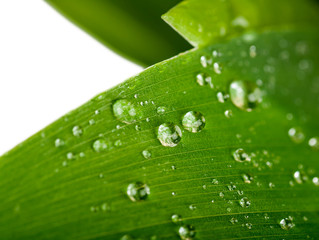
62	184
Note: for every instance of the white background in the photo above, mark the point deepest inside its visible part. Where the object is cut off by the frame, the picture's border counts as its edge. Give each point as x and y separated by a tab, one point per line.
48	67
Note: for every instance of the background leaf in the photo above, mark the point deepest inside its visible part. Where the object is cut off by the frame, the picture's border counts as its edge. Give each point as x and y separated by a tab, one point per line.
131	28
209	21
62	184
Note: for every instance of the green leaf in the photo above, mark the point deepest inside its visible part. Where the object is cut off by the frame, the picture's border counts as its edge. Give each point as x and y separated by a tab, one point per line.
133	29
70	180
210	21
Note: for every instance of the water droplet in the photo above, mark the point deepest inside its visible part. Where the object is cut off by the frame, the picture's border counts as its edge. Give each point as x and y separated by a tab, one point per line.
118	143
100	145
240	22
247	178
314	143
215	181
315	181
70	156
266	216
59	142
91	121
244	202
64	163
228	113
217	68
241	156
205	61
221	194
146	154
137	191
77	131
137	127
249	225
271	185
193	121
300	177
233	220
169	134
97	112
296	135
161	110
287	223
105	207
192	207
186	232
176	218
245	95
81	154
203	79
125	111
126	237
253	51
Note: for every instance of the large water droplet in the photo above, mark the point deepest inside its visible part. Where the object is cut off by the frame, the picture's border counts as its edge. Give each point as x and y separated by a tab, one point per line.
137	191
193	121
240	155
245	95
244	202
186	232
296	135
77	131
286	223
169	134
100	145
126	112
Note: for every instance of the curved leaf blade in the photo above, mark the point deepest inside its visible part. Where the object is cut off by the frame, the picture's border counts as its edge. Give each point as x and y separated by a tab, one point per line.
131	28
73	192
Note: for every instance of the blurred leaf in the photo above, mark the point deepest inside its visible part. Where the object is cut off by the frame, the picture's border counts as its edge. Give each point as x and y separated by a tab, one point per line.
209	21
134	29
64	184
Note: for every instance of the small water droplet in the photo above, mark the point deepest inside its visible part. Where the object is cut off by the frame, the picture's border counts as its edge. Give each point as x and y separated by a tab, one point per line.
192	207
315	181
215	181
65	163
193	121
249	225
169	134
77	131
146	154
203	79
271	185
186	232
266	216
137	191
244	202
97	112
252	51
300	177
217	68
240	22
233	220
245	95
221	194
126	112
118	143
287	223
100	145
70	156
228	113
91	122
176	218
137	127
126	237
241	156
247	178
314	143
205	61
296	135
105	207
59	142
81	154
161	110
